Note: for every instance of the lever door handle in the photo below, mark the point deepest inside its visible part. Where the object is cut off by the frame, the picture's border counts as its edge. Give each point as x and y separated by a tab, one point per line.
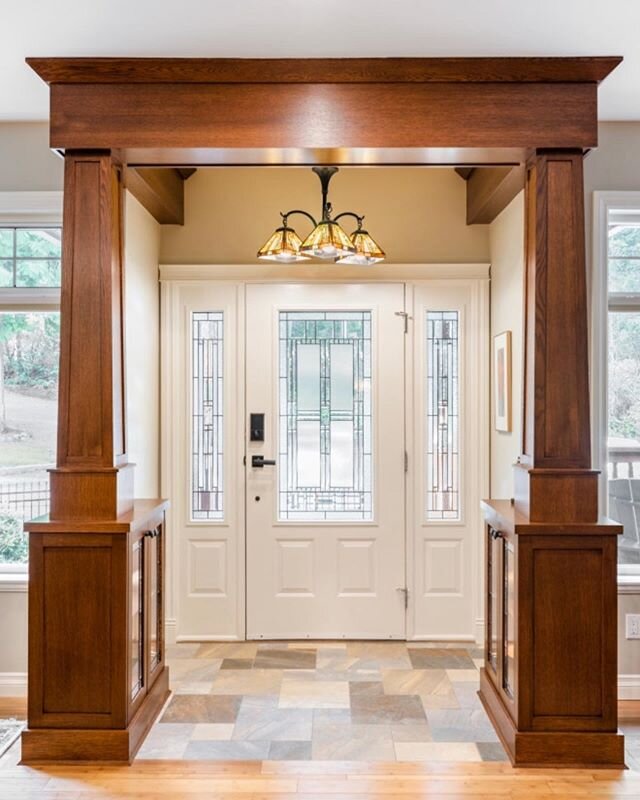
258	462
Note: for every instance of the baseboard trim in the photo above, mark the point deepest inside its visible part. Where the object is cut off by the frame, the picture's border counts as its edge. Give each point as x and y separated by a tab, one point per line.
628	687
170	629
13	684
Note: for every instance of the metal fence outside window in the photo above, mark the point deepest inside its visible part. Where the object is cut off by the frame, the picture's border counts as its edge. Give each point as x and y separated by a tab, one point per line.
25	499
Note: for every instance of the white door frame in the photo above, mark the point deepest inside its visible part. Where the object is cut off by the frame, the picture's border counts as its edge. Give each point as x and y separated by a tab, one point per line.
172	277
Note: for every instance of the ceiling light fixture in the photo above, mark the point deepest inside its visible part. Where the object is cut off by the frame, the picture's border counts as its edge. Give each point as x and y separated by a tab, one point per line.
327	240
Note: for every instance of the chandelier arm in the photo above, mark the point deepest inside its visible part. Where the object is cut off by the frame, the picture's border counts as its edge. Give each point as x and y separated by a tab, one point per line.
299	211
359	218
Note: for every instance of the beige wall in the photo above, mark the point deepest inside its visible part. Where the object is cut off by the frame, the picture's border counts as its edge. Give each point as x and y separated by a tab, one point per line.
506	239
26	162
417	215
142	297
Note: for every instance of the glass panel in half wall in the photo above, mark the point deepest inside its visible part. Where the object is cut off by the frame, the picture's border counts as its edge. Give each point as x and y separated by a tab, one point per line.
325	463
207	479
442	416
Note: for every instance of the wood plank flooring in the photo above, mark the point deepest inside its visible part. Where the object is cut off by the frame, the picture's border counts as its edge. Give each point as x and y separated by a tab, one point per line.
264	780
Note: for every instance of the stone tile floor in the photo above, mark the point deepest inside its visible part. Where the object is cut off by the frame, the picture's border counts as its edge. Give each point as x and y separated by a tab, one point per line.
355	701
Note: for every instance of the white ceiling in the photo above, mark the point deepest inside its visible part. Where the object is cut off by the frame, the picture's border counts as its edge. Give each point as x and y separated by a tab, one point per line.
316	28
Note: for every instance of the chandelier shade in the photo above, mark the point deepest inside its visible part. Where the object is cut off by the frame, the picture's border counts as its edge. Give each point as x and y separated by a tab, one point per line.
327	240
283	246
367	250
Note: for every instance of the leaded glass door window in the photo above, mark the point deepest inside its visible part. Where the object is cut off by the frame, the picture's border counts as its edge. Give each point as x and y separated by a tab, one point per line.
442	412
325	437
207	480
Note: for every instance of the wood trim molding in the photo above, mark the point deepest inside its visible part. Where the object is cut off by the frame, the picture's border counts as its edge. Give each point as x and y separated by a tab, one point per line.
490	190
325	70
160	190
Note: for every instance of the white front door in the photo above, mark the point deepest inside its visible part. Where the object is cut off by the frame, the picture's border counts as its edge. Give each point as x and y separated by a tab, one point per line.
325	535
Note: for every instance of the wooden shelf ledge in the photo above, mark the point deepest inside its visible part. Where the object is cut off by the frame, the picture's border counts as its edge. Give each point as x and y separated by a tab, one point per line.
502	515
144	512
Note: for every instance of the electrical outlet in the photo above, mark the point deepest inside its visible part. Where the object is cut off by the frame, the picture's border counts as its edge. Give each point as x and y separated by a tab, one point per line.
632	625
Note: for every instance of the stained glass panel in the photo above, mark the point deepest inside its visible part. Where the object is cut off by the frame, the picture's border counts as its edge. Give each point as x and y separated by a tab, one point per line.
442	445
207	479
325	468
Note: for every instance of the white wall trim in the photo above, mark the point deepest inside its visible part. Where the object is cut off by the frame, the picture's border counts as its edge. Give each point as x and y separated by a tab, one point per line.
13	684
628	687
336	273
15	582
170	627
19	208
603	202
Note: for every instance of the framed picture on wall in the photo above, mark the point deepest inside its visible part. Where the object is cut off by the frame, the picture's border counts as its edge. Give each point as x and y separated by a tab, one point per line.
502	380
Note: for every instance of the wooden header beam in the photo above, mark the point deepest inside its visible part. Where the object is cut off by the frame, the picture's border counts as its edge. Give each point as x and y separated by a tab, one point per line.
324	70
447	111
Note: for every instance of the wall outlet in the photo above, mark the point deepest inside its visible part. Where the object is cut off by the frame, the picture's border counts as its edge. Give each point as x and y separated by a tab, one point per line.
632	626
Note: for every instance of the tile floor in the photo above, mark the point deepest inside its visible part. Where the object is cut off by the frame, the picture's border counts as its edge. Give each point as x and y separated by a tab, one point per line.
356	701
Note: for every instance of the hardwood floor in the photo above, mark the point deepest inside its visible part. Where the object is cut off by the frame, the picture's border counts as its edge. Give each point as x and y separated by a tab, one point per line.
262	780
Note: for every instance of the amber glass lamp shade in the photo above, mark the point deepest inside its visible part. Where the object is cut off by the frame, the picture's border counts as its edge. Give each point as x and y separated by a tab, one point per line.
282	246
368	251
327	240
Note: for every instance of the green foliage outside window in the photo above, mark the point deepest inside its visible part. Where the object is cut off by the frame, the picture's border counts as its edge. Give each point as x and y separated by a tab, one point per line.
14	544
30	258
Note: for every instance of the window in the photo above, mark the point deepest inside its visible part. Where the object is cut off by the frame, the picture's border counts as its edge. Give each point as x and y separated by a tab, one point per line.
623	379
442	439
29	349
325	464
207	479
30	257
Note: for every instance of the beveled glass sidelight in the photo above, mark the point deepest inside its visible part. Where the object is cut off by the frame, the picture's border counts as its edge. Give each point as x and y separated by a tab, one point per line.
283	246
328	240
368	251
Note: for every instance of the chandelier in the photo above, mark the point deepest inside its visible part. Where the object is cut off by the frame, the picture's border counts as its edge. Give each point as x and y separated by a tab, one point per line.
327	240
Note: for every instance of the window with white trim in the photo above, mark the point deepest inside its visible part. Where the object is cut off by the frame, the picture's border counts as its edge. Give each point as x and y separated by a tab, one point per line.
30	260
619	332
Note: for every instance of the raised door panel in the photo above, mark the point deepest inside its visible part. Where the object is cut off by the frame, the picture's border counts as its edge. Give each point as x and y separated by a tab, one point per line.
569	677
76	601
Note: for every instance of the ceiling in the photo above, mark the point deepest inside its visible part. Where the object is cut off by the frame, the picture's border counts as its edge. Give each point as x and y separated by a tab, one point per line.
316	28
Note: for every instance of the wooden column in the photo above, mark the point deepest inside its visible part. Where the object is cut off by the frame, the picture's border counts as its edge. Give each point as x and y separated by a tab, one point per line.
96	659
550	676
554	480
92	479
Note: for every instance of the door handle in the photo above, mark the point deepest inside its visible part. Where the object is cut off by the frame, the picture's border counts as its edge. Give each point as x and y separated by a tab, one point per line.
258	462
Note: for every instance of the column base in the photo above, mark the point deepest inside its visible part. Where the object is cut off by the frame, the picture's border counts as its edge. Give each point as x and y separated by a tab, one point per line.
586	750
103	494
43	745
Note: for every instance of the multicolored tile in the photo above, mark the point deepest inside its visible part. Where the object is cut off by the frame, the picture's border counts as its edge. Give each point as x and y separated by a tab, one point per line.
205	708
440	659
303	700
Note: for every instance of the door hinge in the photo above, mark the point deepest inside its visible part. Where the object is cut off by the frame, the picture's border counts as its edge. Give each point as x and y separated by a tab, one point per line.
405	592
406	319
406	461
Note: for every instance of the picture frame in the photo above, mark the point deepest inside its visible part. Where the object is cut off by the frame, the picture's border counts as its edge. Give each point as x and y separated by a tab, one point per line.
502	381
